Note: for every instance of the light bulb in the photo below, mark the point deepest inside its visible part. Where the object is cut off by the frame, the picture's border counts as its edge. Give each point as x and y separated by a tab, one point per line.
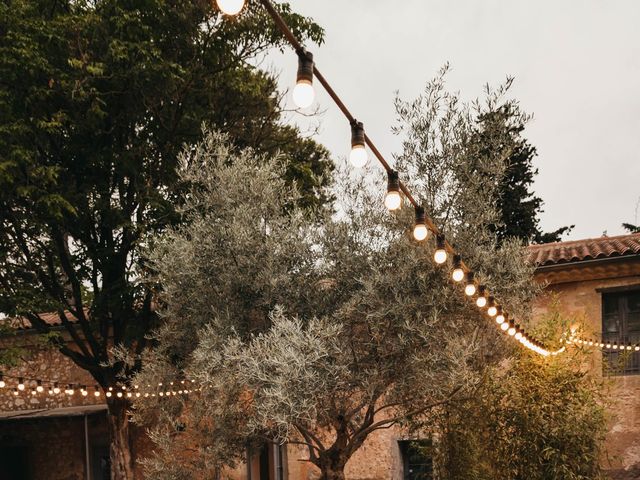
392	200
108	394
303	94
500	319
504	326
50	392
420	232
96	393
637	348
440	256
481	301
358	156
33	392
2	384
492	311
457	275
518	335
511	331
39	388
469	289
84	392
119	394
15	391
56	389
230	7
20	384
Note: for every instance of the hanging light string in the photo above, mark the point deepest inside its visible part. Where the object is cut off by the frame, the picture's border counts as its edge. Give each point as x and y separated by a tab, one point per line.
34	386
608	345
303	96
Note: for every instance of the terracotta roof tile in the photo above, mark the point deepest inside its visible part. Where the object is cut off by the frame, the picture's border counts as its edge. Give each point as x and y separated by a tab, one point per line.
51	318
581	250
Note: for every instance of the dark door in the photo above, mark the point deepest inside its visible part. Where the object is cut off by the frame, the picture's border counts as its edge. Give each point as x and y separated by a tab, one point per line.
14	464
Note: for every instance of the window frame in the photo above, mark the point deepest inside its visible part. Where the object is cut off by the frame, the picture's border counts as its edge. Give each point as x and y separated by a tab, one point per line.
612	358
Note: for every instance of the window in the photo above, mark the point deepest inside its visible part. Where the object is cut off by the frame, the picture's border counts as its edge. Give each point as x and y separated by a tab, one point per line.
621	324
416	459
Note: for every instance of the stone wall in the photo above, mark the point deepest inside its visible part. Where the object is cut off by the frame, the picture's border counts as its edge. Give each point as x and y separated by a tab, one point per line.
582	299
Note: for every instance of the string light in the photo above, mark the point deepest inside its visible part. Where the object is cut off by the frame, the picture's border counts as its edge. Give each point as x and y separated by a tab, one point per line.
481	301
303	93
230	7
440	255
458	272
470	287
306	72
392	199
358	155
420	230
96	392
83	391
500	317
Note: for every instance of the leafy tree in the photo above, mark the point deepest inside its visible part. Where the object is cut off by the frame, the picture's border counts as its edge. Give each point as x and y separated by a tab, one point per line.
96	100
531	418
631	228
518	205
319	333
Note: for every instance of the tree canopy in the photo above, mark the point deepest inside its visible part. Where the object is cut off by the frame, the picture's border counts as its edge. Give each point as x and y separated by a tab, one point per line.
97	98
321	331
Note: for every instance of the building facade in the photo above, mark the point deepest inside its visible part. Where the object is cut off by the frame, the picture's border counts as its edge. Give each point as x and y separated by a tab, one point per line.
597	282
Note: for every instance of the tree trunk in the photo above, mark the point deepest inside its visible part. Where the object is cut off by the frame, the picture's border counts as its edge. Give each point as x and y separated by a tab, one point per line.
332	466
332	474
120	451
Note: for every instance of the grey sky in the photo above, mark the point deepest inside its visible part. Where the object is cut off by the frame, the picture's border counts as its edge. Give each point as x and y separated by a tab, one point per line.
577	68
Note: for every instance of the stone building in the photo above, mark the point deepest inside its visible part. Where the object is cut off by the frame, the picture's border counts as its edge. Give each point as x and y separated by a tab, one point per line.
64	437
598	283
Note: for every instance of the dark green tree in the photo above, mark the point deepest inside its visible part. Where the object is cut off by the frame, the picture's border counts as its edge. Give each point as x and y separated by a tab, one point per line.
519	206
97	97
631	228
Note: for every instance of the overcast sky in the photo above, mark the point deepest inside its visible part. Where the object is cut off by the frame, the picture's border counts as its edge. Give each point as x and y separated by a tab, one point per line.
577	69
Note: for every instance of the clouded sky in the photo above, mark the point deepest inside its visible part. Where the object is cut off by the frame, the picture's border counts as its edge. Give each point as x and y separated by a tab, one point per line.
577	69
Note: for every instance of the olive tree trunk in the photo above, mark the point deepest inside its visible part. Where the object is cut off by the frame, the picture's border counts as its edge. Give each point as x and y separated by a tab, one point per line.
120	451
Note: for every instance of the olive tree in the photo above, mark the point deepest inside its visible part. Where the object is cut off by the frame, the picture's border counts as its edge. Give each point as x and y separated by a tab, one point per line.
320	330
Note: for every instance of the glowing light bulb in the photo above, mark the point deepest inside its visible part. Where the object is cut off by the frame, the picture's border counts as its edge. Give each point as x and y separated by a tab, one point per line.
303	94
457	275
108	394
470	287
481	301
420	230
96	393
492	311
50	391
504	326
440	255
56	388
21	384
15	392
518	335
2	384
39	388
84	393
358	156
392	199
511	331
637	348
230	7
500	319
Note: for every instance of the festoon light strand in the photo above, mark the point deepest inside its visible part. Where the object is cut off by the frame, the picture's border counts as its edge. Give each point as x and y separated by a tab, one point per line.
304	95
